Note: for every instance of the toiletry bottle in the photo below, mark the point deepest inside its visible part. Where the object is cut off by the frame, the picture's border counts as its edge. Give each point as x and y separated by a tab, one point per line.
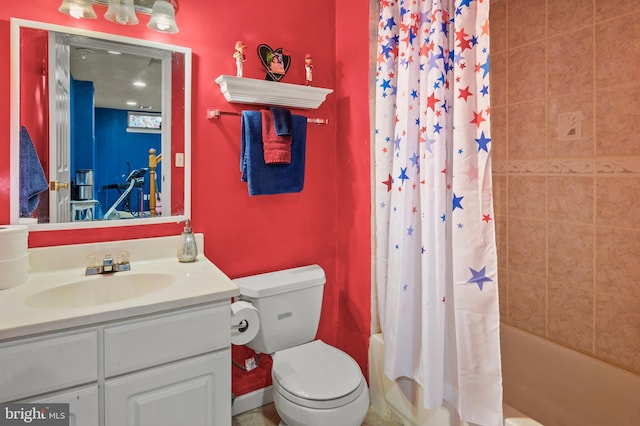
187	250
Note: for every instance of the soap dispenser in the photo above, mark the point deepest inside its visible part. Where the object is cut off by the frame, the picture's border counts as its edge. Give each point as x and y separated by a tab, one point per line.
187	250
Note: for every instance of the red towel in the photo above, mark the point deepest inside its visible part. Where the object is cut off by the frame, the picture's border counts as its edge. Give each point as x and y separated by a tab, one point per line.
277	149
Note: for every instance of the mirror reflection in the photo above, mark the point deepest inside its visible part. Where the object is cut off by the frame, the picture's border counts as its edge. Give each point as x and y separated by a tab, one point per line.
102	128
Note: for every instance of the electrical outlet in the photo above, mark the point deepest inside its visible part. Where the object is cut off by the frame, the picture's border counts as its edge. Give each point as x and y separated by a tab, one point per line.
179	159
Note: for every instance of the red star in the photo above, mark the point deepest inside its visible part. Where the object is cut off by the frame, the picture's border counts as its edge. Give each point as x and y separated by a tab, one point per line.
485	26
424	50
477	119
460	35
465	44
388	183
431	101
486	218
465	93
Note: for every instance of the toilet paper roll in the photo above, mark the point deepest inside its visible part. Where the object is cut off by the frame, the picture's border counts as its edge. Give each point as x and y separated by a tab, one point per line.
13	272
244	323
13	241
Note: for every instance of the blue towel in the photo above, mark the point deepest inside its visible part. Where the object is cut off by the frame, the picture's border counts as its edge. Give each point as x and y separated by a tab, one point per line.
32	178
281	121
265	179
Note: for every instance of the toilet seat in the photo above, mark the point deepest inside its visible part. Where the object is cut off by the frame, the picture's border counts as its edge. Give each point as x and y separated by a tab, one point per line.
317	375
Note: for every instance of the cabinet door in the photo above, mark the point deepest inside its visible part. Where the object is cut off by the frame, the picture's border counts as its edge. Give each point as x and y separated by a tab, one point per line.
83	405
43	365
194	392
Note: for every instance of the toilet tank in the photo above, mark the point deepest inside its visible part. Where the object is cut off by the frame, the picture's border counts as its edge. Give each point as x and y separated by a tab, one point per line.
288	304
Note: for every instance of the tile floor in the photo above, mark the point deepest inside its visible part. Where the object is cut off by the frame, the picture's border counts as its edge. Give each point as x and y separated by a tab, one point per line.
267	416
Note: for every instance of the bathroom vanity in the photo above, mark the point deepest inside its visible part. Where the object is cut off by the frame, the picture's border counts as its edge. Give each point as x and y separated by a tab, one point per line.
155	355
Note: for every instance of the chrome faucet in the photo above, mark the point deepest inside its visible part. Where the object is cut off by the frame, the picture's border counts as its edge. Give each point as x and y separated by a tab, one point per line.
108	266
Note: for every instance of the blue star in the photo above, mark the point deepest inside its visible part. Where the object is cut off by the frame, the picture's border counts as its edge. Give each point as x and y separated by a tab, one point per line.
445	107
457	202
410	230
414	159
432	61
484	90
483	142
428	144
390	23
479	277
412	36
386	84
437	127
414	93
403	174
386	50
485	67
397	141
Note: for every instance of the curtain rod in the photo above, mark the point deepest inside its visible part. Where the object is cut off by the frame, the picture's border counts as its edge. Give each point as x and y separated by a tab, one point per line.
216	113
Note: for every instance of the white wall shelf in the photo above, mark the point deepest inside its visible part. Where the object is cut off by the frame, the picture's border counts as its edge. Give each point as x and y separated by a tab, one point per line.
262	92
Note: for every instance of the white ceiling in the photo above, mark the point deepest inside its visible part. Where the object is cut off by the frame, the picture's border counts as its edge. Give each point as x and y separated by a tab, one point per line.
113	77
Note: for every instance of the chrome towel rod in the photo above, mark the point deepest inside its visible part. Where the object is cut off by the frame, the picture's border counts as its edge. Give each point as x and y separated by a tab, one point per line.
216	113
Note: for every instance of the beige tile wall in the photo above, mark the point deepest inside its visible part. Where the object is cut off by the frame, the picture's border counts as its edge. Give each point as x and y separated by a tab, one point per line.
565	86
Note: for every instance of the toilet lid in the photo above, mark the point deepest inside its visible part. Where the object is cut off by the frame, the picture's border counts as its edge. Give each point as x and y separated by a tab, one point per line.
316	371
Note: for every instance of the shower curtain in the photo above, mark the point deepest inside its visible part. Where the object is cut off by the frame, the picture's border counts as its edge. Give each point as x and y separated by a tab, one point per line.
435	239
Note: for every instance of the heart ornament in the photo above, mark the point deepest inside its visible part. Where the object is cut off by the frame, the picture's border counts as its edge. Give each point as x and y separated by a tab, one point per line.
275	62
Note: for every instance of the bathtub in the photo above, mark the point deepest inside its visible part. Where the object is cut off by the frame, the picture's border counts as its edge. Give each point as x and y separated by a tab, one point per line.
542	380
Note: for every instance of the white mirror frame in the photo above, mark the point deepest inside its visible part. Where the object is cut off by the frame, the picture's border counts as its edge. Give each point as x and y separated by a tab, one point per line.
16	25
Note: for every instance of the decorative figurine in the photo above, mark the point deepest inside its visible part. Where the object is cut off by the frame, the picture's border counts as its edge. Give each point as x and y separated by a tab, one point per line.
308	67
240	57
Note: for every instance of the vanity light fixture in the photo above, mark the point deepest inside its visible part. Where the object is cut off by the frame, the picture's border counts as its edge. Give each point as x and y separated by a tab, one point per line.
123	12
163	17
78	9
139	83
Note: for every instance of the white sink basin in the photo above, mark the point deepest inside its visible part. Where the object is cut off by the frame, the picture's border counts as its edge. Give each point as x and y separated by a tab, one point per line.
100	290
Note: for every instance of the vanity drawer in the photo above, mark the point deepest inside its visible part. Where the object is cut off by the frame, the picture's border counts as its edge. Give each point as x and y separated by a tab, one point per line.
140	344
43	365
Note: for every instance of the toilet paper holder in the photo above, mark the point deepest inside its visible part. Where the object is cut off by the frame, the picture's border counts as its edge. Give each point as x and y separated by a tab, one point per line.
242	326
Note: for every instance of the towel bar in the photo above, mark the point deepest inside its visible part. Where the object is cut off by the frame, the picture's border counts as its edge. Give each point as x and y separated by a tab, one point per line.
216	113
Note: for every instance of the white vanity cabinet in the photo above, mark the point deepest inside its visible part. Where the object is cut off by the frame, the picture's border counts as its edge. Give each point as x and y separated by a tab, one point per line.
168	368
190	383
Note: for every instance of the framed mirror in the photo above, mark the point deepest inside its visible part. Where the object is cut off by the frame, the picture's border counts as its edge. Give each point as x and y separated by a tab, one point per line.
100	128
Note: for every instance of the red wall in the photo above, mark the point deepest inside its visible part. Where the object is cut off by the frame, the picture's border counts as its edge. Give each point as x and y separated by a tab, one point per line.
329	221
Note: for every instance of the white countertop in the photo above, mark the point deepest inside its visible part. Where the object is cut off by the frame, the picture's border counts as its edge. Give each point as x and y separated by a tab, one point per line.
195	283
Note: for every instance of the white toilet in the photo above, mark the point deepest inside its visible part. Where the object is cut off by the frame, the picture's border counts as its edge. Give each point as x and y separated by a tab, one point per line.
314	383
